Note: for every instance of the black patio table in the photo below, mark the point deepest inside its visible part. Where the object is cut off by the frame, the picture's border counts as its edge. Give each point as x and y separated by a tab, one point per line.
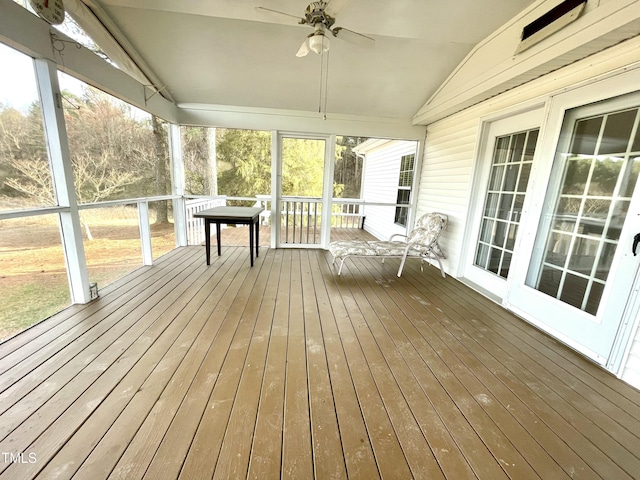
231	216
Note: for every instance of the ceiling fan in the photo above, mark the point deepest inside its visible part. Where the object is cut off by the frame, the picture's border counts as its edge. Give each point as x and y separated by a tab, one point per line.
321	17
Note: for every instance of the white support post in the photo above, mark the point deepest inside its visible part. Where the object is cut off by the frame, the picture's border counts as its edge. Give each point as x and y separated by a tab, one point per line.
177	186
327	193
145	233
415	187
62	177
276	184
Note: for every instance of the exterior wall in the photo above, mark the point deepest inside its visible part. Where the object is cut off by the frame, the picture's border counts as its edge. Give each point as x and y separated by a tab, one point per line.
380	184
631	371
493	67
451	147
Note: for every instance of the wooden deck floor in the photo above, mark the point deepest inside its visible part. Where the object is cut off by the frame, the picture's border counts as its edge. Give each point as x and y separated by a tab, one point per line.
239	236
286	370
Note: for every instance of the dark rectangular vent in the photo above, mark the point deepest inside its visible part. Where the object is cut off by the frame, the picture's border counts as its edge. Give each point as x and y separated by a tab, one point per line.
552	21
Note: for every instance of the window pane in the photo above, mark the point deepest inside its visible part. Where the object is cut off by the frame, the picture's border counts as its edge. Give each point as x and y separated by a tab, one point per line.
25	173
491	205
502	208
237	163
590	211
586	136
566	213
525	172
583	255
529	151
576	175
605	175
558	249
494	260
501	153
482	256
594	217
111	242
617	131
33	280
347	172
594	298
549	282
486	232
517	147
504	212
117	151
506	265
573	290
511	178
495	181
631	176
162	233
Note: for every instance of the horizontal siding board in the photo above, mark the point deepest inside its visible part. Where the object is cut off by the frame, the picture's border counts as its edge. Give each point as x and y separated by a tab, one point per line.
380	184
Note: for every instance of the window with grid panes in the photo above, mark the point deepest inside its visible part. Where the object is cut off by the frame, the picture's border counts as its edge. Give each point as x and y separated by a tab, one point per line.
508	179
404	188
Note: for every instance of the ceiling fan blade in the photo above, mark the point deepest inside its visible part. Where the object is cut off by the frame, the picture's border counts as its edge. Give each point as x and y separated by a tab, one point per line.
304	48
335	6
280	15
353	37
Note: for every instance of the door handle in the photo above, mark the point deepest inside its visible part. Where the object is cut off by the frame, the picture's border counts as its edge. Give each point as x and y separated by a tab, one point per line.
636	240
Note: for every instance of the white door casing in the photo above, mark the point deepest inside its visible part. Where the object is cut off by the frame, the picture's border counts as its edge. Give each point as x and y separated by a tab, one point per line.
564	248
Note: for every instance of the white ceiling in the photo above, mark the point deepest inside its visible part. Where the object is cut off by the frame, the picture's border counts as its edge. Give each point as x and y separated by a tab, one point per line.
224	52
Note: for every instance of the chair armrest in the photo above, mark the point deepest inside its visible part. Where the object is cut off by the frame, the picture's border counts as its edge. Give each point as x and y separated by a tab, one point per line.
397	235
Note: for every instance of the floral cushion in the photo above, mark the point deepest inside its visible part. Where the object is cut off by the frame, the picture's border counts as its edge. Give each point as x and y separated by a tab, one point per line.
422	241
392	248
351	247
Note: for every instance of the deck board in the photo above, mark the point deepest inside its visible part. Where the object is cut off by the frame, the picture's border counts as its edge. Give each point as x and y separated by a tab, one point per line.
287	370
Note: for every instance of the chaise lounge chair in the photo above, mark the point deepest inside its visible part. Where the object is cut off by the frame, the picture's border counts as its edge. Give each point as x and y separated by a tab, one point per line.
421	243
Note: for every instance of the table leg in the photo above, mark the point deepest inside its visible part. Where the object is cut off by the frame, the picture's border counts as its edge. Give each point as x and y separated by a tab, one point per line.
207	239
257	236
251	244
218	237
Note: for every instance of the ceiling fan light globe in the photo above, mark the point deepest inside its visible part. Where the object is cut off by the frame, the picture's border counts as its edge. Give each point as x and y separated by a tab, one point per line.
319	43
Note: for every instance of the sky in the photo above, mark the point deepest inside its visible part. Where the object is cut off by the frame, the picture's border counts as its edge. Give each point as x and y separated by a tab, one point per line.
17	82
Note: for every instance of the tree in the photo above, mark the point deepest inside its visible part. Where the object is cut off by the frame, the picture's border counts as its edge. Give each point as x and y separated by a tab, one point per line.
244	162
348	168
115	152
161	164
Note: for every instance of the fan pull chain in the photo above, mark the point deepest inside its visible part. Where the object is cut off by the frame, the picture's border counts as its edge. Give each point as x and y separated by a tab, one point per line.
324	84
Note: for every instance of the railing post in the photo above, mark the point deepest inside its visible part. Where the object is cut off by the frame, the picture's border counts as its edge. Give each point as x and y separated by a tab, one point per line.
177	179
145	233
62	177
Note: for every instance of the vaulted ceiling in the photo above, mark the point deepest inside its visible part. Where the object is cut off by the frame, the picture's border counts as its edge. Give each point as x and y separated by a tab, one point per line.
225	52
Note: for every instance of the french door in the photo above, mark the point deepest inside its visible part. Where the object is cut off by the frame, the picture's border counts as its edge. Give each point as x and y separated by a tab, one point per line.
579	282
504	170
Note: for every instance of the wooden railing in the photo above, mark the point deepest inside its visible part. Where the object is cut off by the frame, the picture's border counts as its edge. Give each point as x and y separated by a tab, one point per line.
195	226
301	217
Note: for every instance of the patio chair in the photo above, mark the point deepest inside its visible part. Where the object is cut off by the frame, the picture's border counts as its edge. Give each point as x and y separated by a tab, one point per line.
422	243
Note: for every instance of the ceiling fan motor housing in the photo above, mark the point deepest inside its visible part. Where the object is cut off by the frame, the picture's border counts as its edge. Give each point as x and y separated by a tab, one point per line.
315	14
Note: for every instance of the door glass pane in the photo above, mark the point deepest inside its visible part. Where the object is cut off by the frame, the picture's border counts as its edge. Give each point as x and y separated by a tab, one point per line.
302	180
510	170
599	173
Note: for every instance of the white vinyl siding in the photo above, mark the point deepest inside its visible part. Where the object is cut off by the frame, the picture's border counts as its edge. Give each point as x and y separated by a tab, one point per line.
631	371
380	184
445	180
451	145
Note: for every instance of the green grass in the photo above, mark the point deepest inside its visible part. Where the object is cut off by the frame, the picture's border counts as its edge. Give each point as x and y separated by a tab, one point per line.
29	303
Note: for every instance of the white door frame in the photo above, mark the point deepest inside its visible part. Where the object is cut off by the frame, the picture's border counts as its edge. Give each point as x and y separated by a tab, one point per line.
517	291
490	130
276	184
